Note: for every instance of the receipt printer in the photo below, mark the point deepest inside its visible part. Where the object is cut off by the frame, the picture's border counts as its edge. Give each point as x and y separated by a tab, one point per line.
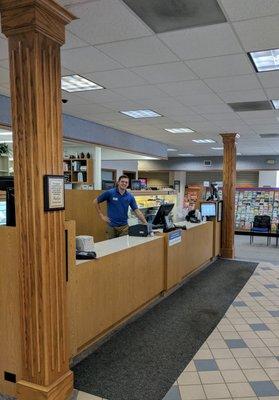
84	243
139	230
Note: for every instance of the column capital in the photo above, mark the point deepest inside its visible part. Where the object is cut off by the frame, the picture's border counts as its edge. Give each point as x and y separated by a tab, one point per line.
43	16
228	136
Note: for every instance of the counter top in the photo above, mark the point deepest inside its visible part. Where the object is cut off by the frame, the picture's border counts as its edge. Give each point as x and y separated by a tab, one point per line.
188	224
118	244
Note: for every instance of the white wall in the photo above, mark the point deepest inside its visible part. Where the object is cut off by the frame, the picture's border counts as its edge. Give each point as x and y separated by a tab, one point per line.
121	166
268	178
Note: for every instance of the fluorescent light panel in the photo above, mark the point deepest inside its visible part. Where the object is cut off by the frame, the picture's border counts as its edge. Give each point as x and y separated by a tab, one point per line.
185	154
275	104
180	130
217	148
141	114
171	149
266	60
203	141
6	141
76	83
5	133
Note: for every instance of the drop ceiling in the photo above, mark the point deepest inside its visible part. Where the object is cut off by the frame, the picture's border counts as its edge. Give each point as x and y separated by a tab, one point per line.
187	75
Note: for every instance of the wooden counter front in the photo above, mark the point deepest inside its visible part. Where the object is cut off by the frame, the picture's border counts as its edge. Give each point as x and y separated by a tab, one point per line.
194	250
106	291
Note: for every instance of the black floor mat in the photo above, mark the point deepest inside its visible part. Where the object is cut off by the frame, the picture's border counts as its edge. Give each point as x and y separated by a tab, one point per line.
142	361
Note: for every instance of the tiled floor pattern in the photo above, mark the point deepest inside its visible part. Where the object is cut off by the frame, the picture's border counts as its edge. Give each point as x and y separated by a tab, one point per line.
240	359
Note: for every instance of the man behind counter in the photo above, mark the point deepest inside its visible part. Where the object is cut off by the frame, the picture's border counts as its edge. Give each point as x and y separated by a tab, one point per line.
118	201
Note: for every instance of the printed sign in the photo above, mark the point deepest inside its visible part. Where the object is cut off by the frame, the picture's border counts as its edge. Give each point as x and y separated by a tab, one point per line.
174	237
54	192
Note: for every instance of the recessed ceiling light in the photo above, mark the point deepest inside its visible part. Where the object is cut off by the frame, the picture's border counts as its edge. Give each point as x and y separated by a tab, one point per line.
141	113
275	104
76	83
203	141
266	60
185	154
217	148
171	149
180	130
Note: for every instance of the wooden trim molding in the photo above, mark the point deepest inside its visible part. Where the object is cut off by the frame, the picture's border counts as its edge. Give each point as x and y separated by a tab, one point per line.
35	31
229	182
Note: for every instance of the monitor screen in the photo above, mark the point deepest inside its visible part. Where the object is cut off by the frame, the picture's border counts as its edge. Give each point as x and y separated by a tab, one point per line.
107	184
162	212
3	212
136	184
143	182
208	209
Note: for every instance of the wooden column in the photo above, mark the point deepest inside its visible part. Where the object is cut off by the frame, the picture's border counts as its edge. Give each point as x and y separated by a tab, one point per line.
229	178
35	30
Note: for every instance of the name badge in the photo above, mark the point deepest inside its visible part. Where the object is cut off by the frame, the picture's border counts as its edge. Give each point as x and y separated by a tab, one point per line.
115	198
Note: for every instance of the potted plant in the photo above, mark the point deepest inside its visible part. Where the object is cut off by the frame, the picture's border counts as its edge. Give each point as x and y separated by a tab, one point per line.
4	149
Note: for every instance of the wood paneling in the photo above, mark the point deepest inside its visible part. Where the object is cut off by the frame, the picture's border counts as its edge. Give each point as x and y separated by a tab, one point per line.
35	31
80	208
113	287
229	177
194	250
10	338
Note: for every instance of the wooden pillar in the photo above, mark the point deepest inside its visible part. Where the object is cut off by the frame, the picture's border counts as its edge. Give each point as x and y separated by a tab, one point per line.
229	178
35	30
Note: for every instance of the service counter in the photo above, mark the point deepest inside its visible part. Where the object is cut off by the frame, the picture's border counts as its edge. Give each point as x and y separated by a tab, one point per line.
129	274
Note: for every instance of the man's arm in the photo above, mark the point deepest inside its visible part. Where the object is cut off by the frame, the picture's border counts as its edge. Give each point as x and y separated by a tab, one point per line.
99	211
140	216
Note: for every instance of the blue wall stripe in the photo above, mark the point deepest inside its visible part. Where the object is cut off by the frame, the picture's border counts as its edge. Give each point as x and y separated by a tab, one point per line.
91	132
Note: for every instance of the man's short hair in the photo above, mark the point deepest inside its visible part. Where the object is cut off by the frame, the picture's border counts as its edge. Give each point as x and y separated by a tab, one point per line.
122	176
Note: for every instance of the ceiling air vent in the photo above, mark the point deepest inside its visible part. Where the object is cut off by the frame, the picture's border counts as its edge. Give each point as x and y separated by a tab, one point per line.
251	106
207	163
269	135
169	15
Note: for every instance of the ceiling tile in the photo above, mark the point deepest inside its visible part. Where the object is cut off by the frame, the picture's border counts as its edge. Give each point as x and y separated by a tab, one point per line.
273	93
4	76
139	52
247	9
161	73
4	64
241	82
106	21
100	96
140	92
202	99
258	34
206	41
87	59
3	49
243	95
116	78
72	42
237	64
185	88
212	109
268	79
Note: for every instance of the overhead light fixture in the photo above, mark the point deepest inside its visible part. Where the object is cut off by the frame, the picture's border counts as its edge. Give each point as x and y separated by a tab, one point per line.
275	104
217	148
141	114
76	83
203	141
180	130
239	154
266	60
171	149
6	141
185	154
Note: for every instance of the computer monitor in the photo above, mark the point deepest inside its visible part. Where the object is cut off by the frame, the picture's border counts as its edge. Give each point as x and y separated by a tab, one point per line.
162	216
208	210
107	184
135	184
143	182
7	185
3	217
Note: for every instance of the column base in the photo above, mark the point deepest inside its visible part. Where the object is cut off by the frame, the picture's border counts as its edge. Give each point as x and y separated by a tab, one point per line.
227	252
59	390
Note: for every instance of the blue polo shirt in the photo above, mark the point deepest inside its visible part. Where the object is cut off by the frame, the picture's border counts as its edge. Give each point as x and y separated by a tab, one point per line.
118	205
